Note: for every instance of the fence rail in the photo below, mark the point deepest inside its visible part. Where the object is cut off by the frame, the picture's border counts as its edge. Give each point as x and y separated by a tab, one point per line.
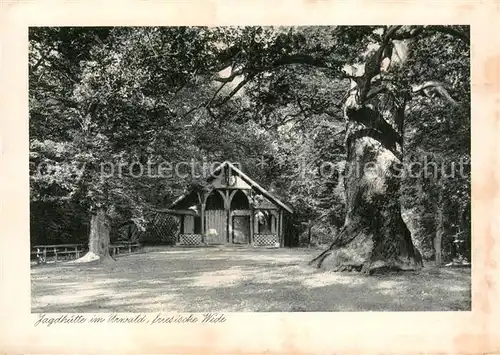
64	252
57	252
129	248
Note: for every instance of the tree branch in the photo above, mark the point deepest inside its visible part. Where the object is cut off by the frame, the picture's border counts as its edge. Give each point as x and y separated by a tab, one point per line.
431	88
302	59
375	92
236	89
216	93
40	60
412	33
208	104
301	108
234	74
372	65
426	31
464	36
305	59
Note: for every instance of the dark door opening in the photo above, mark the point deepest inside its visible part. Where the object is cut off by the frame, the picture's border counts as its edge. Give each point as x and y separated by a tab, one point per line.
241	230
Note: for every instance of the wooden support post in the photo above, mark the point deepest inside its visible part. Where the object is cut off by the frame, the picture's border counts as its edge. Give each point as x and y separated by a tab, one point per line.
256	225
202	215
227	205
281	236
181	229
251	226
202	199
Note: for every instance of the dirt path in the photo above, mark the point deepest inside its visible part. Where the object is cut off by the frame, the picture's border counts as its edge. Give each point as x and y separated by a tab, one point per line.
223	279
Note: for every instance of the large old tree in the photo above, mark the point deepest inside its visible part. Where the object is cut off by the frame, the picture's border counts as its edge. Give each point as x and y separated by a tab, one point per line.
377	62
374	236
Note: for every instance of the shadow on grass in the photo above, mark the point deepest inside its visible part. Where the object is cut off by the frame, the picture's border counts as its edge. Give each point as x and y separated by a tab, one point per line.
197	280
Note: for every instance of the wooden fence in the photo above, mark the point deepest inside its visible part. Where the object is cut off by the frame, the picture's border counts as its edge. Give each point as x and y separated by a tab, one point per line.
124	248
65	252
57	252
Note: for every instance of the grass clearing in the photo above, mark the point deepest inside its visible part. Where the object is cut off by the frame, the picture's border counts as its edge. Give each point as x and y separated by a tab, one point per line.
239	280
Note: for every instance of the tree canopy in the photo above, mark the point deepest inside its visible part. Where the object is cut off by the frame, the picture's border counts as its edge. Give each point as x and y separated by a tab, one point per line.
269	98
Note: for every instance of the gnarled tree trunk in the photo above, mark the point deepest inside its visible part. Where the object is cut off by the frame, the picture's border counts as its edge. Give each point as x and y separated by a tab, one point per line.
374	236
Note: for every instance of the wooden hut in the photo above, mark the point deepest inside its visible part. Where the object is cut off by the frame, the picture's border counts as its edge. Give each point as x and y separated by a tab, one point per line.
233	210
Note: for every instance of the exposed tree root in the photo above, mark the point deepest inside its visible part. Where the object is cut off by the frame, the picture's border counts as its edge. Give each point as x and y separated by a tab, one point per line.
92	257
360	253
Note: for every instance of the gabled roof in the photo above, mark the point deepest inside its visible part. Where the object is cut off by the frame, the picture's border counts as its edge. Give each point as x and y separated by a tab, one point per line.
248	180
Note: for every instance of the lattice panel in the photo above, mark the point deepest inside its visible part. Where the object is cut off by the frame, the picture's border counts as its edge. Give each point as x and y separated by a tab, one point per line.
162	228
189	239
266	240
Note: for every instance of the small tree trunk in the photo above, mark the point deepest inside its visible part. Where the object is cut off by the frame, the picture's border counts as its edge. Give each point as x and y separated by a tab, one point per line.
438	238
437	247
99	234
467	228
309	227
99	237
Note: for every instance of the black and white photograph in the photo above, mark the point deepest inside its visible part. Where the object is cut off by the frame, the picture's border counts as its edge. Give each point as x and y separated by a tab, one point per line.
217	169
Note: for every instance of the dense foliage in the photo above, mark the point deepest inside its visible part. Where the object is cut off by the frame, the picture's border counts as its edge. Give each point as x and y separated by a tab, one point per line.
267	98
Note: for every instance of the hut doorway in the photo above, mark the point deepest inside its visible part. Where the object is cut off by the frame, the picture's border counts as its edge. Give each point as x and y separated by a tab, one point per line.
216	219
241	230
240	223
